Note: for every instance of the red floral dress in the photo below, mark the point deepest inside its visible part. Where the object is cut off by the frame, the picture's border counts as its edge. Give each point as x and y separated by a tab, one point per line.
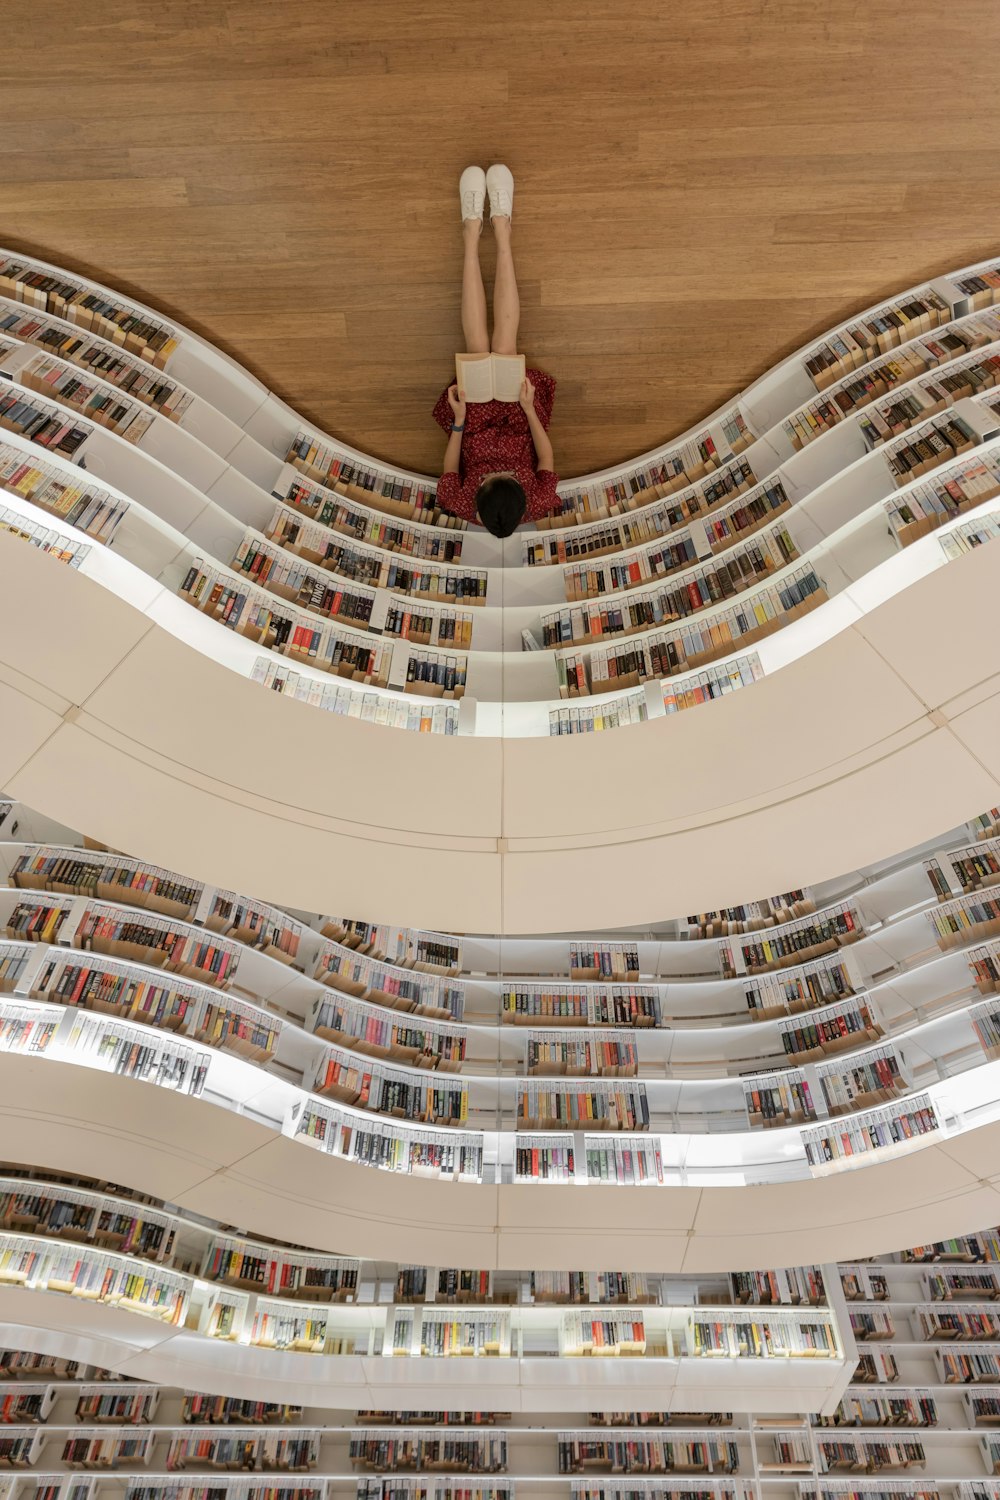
497	438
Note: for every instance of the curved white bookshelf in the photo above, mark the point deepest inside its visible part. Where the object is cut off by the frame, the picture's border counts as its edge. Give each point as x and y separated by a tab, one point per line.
897	1002
914	714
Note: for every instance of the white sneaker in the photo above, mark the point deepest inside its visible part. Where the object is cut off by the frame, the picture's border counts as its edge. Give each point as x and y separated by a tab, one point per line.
472	193
500	186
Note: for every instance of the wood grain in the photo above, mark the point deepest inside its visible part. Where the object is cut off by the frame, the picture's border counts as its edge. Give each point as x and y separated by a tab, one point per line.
700	188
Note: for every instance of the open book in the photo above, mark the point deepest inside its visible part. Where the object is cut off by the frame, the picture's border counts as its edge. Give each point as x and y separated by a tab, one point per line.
490	377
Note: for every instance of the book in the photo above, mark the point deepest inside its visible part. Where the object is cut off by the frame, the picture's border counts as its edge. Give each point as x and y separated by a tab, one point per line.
490	377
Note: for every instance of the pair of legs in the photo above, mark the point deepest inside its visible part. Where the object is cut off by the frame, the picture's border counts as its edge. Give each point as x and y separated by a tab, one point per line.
506	305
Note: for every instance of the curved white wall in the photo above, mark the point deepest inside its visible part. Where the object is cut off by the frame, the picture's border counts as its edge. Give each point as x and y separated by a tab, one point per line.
233	1169
874	741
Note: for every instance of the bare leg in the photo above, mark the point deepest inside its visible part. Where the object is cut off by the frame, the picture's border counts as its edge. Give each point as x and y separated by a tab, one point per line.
506	304
477	338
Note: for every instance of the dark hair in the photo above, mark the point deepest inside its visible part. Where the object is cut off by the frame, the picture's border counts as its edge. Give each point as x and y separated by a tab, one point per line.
501	504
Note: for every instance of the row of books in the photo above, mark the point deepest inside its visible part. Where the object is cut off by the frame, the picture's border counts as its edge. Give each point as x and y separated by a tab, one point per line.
104	1450
977	865
743	1337
203	1410
984	1246
434	1418
92	399
40	420
253	613
291	1452
102	312
951	1286
751	916
708	584
409	948
570	1106
229	1489
317	543
590	1287
717	682
454	1155
694	476
69	497
874	333
813	985
118	1280
256	924
537	1159
108	876
967	1366
795	942
399	495
527	1004
58	546
648	508
968	536
888	375
723	528
50	1209
969	1324
108	361
872	1324
787	1286
846	1025
484	1453
871	1080
452	1285
442	1335
876	1130
864	1283
132	1406
279	1273
112	989
917	1409
986	1024
582	1057
400	1487
434	673
354	1024
354	973
286	575
925	507
659	1418
689	648
343	1077
389	535
778	1101
612	1334
967	919
410	499
151	940
130	1053
934	443
646	1455
852	393
869	1456
592	718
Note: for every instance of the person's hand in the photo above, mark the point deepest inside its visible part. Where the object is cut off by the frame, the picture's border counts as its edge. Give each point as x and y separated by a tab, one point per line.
527	396
456	400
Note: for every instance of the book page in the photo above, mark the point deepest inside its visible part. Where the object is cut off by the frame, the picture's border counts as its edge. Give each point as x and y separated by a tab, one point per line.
474	375
508	373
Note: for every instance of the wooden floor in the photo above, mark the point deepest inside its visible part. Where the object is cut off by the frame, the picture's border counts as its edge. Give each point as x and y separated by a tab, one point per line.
700	186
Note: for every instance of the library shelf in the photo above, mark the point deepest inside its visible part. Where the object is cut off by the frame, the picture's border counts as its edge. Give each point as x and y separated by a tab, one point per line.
889	737
270	428
812	990
909	1416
